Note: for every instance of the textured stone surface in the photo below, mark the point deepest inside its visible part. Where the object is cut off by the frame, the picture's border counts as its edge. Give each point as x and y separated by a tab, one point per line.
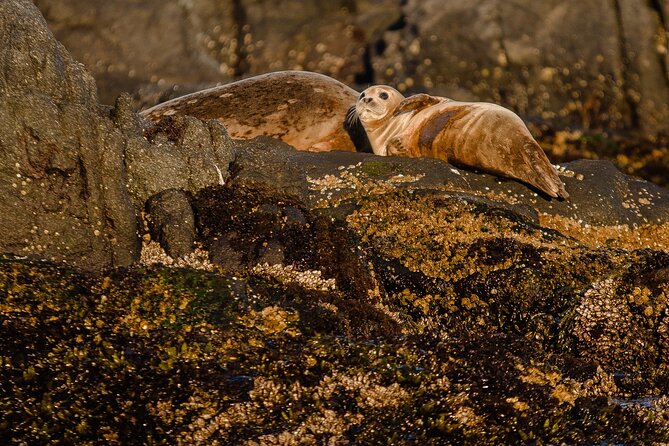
423	319
599	193
74	176
171	222
181	153
126	43
62	176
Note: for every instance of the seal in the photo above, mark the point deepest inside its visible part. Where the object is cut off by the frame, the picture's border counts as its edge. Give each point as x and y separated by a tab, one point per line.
478	135
306	110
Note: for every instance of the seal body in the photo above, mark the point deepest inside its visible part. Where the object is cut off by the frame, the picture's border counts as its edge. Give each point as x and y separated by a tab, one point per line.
303	109
471	134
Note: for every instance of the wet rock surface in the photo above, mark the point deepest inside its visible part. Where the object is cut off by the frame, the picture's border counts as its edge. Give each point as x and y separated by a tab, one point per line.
328	298
424	320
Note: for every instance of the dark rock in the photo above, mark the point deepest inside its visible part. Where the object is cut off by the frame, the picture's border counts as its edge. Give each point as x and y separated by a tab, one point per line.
215	41
489	359
312	35
594	64
294	216
63	178
125	44
600	194
224	252
605	196
181	153
271	252
171	222
236	228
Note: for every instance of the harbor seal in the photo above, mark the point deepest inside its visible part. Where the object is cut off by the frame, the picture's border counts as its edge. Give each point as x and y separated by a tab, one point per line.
478	135
303	109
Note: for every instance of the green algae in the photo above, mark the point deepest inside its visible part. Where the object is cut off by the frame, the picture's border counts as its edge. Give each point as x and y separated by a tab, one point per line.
377	169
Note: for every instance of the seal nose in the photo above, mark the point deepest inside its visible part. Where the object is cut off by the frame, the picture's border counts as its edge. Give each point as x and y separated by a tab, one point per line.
367	100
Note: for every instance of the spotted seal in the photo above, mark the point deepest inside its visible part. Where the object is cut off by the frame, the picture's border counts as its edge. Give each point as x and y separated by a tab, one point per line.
479	135
306	110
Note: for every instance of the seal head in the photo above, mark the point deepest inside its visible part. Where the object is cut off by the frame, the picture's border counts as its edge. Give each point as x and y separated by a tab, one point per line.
376	105
375	110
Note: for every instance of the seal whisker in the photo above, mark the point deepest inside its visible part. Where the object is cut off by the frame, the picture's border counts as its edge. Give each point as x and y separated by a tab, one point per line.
352	118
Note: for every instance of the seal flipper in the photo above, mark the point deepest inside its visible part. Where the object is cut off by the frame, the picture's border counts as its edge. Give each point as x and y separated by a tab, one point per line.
395	147
541	173
416	102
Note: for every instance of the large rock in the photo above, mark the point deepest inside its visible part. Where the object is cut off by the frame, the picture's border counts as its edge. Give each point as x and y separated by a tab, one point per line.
600	195
186	357
315	36
424	317
62	177
171	222
75	176
125	44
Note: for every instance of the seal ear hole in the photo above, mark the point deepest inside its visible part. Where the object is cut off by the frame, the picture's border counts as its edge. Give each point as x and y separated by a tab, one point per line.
383	95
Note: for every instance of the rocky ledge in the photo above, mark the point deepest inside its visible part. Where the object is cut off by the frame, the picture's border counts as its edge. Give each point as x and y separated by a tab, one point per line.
166	284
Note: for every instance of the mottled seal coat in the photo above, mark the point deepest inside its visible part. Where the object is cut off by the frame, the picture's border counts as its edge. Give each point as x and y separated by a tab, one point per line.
303	109
471	134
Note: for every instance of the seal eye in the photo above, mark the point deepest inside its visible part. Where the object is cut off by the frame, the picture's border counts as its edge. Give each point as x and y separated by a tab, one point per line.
362	95
383	95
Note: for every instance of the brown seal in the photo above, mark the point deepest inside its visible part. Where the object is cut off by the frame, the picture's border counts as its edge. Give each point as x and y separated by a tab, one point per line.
303	109
471	134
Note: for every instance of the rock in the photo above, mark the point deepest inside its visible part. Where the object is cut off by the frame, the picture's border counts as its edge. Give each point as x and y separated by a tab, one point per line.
311	35
600	195
75	175
542	60
224	252
215	41
171	222
125	44
62	172
181	153
243	225
483	314
607	197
